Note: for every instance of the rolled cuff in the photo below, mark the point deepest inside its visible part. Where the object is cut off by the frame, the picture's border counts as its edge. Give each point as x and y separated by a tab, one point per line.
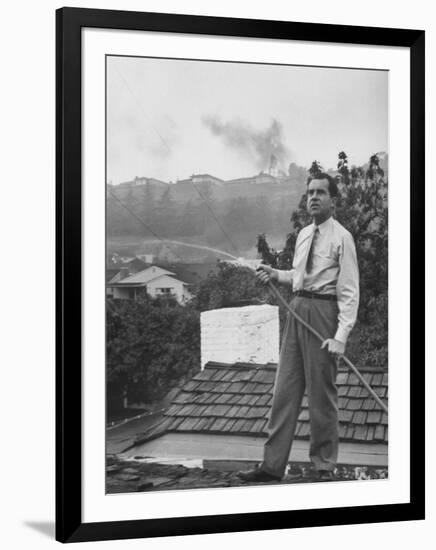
342	334
284	277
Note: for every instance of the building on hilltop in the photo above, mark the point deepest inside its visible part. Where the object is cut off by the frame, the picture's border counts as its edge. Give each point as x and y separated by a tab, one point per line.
198	179
260	178
137	181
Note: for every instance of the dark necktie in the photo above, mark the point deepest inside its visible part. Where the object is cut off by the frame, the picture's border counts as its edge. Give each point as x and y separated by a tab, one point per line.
309	263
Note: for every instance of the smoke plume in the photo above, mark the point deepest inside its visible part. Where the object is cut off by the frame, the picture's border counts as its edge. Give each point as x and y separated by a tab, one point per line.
262	147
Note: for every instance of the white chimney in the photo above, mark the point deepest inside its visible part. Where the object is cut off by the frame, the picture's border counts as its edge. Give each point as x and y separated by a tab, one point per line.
248	334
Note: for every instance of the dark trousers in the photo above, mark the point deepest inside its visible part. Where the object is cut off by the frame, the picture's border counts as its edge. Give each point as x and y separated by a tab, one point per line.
303	364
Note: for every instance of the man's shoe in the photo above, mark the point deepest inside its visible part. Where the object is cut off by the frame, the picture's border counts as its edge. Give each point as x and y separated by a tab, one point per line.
319	475
325	475
293	476
257	474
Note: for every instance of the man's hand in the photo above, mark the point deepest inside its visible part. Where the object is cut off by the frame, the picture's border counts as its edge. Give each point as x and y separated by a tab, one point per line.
265	273
334	347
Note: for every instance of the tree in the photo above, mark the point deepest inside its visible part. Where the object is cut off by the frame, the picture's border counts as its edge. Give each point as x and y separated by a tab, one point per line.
315	168
147	203
152	344
261	215
131	223
236	215
343	168
187	224
166	218
115	215
230	285
374	171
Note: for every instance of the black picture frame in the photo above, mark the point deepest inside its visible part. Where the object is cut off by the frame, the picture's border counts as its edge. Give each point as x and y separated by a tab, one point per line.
69	22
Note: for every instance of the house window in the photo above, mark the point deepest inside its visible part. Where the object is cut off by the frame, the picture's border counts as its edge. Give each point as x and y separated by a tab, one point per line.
164	290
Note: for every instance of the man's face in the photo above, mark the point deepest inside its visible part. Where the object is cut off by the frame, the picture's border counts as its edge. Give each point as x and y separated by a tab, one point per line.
319	201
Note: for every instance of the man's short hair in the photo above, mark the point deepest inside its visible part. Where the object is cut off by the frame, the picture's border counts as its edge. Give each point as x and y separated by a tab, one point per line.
333	186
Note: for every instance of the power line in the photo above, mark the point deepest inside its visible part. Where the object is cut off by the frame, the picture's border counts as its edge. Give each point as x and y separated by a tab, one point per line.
169	150
215	218
126	84
143	223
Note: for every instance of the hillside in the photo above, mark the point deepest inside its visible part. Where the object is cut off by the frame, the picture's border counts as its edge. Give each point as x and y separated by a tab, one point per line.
205	210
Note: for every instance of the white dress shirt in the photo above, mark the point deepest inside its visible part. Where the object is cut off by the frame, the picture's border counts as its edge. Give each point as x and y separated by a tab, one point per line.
334	270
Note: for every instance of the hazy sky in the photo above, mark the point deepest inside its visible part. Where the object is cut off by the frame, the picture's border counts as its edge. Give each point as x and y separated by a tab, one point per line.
169	119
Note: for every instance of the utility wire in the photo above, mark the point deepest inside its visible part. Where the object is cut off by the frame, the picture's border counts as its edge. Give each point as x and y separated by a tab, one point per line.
126	84
169	150
215	218
141	221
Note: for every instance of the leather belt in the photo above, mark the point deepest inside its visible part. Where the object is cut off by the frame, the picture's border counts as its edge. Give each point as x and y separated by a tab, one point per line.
315	295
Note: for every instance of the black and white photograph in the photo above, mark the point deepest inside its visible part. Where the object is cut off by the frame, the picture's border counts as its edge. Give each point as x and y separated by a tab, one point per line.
246	274
218	292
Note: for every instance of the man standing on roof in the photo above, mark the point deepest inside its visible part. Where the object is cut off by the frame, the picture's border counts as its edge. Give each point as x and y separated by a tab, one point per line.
325	282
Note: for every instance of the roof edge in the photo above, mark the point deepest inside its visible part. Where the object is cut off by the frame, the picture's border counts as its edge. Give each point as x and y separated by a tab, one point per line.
273	366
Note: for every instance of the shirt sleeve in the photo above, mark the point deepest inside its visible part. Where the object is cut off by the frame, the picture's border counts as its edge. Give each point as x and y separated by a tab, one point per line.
285	277
347	289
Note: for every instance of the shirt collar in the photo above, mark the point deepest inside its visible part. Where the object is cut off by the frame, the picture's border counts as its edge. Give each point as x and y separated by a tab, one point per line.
324	226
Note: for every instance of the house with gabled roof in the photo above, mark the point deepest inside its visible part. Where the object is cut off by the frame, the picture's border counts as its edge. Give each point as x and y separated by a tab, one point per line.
192	273
154	280
116	263
222	412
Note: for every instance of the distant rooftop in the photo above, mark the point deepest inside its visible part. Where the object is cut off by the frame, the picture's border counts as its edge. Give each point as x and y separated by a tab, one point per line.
199	178
142	277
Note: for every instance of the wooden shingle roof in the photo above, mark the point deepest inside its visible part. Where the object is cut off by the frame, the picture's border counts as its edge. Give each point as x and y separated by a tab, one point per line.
235	399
